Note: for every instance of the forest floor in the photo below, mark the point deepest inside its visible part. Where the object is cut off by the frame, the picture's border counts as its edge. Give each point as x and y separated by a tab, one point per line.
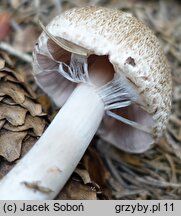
105	172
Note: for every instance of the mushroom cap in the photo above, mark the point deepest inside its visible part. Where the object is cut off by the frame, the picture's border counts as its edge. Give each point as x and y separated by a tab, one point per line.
132	48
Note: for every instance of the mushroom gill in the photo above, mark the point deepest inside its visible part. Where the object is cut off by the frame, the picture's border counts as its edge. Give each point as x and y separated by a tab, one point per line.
126	125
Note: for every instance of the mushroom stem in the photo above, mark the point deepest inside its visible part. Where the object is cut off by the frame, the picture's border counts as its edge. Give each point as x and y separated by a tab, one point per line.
42	173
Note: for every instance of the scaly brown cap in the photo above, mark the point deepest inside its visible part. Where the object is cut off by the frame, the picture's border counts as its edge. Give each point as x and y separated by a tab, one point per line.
133	50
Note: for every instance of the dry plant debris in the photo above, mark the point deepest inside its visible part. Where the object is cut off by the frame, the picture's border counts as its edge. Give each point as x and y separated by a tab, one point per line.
104	172
19	119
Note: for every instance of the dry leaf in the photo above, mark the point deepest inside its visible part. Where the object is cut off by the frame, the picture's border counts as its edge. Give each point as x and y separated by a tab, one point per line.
11	78
35	123
17	109
13	90
8	60
74	190
10	144
5	167
27	144
19	75
45	102
9	101
34	108
95	167
30	91
2	123
2	75
5	20
13	114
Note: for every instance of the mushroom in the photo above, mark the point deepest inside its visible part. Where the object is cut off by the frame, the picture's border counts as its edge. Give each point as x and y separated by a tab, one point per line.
109	73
